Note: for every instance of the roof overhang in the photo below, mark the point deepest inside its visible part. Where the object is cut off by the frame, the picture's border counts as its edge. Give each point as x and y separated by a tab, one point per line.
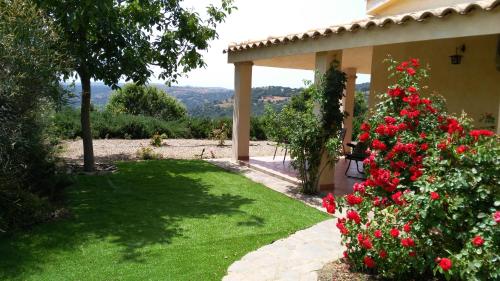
297	51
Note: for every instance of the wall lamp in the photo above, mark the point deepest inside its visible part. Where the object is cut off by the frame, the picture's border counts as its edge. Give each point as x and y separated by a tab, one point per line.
457	57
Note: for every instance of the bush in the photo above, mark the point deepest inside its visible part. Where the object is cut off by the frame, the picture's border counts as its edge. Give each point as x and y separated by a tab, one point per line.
66	125
156	140
430	203
147	153
146	101
29	82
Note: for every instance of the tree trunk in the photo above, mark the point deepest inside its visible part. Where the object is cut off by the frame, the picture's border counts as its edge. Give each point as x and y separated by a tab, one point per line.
88	150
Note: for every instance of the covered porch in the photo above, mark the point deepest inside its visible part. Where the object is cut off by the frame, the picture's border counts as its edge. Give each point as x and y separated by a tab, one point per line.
360	47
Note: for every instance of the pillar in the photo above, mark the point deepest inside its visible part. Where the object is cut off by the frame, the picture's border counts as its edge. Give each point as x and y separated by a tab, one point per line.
348	103
323	62
242	110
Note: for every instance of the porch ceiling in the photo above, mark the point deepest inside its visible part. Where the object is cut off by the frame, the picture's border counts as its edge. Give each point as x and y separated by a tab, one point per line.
359	58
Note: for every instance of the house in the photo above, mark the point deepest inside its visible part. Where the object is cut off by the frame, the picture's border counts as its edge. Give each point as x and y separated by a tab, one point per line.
460	39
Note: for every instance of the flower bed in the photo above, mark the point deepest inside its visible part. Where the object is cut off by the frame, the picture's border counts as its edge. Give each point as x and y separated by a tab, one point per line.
430	203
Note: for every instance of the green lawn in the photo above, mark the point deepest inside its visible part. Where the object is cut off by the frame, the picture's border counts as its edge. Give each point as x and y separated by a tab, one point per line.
155	220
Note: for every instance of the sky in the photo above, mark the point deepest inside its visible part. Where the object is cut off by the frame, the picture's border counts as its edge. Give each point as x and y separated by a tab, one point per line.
258	19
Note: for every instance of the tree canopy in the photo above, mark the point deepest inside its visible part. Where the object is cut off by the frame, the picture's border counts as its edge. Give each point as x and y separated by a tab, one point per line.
111	40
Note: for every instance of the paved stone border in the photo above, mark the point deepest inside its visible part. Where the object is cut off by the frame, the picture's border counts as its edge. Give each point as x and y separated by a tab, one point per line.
297	257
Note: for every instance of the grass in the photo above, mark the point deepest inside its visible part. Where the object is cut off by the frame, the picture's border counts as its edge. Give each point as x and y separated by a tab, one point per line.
154	220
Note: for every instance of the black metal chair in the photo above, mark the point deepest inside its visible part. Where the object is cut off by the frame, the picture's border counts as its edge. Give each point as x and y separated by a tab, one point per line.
358	153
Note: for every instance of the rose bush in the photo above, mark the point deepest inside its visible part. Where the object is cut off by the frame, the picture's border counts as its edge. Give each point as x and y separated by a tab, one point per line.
429	205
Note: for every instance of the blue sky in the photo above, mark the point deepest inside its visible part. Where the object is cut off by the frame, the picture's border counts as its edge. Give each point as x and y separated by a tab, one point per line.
257	19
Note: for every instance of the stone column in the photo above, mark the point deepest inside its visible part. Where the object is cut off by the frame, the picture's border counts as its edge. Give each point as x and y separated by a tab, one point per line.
322	64
348	103
242	110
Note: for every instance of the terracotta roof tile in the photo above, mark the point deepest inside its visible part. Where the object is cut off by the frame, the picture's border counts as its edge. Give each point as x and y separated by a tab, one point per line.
419	16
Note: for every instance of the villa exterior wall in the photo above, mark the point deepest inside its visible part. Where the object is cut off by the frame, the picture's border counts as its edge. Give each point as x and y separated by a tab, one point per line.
472	86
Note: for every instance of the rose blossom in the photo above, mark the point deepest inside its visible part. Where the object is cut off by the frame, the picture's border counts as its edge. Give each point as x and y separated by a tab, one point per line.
434	195
477	241
496	216
369	262
445	263
329	203
353	215
394	232
377	233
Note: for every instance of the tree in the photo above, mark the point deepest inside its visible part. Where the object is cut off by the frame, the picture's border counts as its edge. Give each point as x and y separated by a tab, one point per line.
114	39
145	100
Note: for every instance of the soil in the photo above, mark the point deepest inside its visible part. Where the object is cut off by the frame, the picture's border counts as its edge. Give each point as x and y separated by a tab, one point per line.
339	271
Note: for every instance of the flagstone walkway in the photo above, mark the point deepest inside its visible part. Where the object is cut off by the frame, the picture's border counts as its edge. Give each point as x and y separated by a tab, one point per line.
295	258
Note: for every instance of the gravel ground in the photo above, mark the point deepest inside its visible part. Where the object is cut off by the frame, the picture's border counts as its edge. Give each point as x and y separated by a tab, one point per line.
120	149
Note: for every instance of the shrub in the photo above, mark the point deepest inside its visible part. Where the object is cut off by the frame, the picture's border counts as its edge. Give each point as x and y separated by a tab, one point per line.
29	87
156	140
430	203
147	153
147	101
220	133
66	125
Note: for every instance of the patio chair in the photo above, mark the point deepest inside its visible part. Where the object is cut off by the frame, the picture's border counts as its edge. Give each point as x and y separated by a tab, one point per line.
285	144
358	153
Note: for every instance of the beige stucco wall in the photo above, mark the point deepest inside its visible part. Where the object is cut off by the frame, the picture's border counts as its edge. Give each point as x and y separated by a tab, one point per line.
472	86
394	7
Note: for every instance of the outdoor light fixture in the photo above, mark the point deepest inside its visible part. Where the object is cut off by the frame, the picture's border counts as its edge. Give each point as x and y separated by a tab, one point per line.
457	58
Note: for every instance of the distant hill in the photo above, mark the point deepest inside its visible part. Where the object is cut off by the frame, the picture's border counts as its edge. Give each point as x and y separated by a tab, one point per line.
208	101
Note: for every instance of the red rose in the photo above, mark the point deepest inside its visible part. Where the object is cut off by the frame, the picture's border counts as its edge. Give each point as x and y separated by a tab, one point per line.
359	187
341	226
424	146
329	203
364	137
477	241
365	127
377	144
345	255
442	145
353	215
407	227
415	62
369	262
389	120
496	216
394	232
434	195
353	199
382	254
411	71
412	253
396	197
462	148
377	233
445	264
366	243
477	133
407	242
412	89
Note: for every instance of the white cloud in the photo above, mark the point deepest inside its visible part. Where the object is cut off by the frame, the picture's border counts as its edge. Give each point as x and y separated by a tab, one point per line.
257	19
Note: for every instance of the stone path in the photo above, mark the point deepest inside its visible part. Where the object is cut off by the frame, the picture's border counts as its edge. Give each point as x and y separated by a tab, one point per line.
295	258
